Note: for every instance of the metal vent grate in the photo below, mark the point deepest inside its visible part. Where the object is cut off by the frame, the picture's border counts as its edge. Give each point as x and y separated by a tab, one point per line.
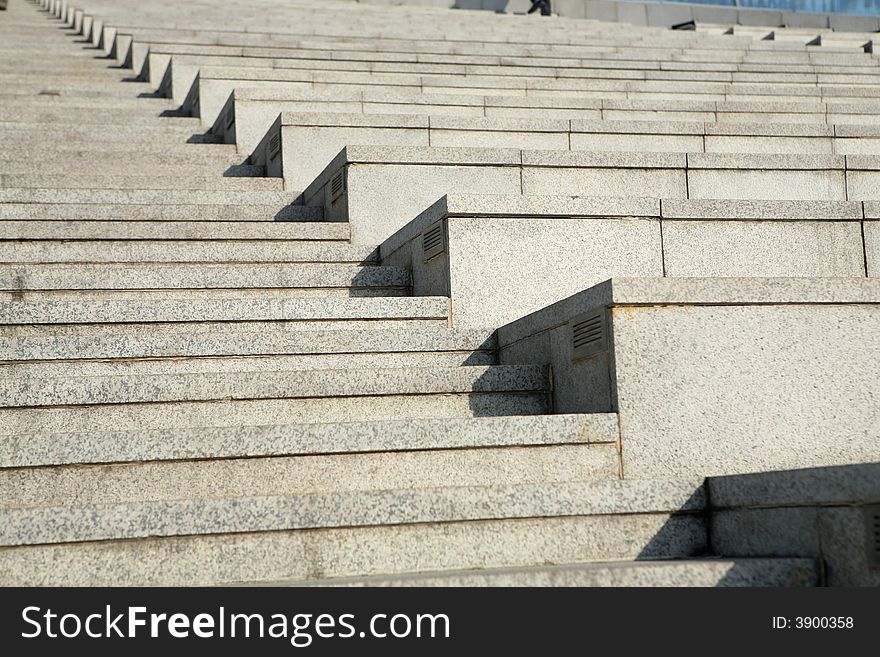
872	531
434	241
274	146
337	185
589	334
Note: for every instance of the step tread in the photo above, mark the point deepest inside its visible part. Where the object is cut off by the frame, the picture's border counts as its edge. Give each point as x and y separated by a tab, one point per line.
35	526
780	571
194	443
21	391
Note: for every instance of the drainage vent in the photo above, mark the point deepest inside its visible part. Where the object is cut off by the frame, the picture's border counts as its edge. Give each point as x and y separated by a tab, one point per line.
589	334
337	185
274	146
872	532
434	241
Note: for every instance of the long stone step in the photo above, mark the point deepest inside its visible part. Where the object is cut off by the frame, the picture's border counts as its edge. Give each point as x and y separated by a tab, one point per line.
16	310
233	414
190	341
217	155
120	212
39	112
28	450
250	384
340	508
202	251
177	232
775	572
215	183
73	487
139	197
217	275
176	364
146	166
422	530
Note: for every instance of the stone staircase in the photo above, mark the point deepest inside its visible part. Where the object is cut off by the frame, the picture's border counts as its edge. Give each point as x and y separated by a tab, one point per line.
213	371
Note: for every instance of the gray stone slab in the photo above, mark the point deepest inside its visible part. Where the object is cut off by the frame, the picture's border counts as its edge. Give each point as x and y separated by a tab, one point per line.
155	276
364	508
294	383
186	443
89	229
358	552
18	311
711	572
71	487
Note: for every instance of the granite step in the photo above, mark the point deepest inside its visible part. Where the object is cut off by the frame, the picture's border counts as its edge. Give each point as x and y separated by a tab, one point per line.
328	508
15	310
72	487
408	404
187	444
124	348
71	181
248	384
45	252
135	233
280	212
421	530
717	572
197	276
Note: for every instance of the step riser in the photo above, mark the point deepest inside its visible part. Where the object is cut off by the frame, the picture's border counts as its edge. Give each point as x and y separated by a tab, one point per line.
256	363
72	487
216	182
315	554
50	251
126	342
46	449
246	385
358	508
174	231
207	276
283	411
20	311
691	573
136	212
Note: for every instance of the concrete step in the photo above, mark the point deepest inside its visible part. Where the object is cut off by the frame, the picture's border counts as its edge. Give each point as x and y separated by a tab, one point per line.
434	529
776	572
28	450
201	251
122	212
139	197
86	153
223	343
56	103
15	310
135	233
216	182
359	508
257	384
233	414
132	132
145	166
178	364
21	146
78	486
39	112
201	276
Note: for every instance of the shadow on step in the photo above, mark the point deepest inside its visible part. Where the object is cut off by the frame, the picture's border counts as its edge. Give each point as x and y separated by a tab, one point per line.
812	526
